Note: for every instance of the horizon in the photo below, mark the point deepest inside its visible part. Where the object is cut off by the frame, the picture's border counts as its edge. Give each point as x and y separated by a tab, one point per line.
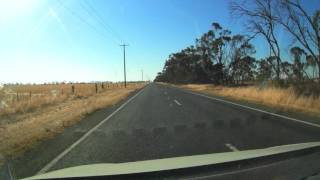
78	41
69	82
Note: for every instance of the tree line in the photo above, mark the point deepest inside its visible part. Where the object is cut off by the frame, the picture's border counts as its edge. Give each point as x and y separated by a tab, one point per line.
221	57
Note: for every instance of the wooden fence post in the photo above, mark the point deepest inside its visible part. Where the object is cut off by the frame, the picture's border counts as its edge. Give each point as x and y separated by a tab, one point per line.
96	85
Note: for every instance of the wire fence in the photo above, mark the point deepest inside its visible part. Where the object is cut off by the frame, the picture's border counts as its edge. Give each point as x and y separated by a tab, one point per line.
21	98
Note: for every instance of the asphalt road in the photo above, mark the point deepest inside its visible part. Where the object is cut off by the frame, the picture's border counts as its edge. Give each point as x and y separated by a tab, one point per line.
161	121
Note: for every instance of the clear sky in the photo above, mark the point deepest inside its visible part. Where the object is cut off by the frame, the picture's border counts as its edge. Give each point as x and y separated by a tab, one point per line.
52	40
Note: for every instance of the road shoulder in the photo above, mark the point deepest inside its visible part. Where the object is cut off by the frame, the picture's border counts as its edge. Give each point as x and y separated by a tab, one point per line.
45	151
288	113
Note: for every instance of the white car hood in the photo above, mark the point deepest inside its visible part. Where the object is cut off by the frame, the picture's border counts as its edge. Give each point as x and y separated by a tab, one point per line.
170	163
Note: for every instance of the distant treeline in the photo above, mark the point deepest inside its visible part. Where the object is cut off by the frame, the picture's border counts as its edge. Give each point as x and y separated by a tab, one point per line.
221	57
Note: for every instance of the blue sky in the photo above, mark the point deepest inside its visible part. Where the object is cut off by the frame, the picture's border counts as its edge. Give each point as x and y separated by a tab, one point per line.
51	40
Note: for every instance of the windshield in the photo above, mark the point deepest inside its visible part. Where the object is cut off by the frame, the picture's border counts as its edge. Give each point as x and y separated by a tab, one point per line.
113	81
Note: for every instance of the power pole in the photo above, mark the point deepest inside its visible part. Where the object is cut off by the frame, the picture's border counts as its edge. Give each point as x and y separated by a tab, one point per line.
124	63
142	75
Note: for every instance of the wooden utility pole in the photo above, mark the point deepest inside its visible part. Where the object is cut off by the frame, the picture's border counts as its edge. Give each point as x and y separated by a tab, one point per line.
142	75
124	63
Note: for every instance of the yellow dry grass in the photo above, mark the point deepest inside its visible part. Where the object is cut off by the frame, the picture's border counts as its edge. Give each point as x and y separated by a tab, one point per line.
284	99
24	98
47	121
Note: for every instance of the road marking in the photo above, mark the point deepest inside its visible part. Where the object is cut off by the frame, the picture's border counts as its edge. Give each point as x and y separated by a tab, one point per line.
66	151
177	102
232	148
255	109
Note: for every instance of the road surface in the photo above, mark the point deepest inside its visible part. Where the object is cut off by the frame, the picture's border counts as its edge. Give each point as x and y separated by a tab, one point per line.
161	121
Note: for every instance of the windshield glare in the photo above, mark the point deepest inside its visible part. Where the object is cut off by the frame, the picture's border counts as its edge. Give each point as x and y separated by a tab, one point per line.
92	82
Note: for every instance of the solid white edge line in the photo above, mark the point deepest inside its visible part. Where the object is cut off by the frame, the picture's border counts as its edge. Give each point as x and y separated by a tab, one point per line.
66	151
177	102
255	109
232	147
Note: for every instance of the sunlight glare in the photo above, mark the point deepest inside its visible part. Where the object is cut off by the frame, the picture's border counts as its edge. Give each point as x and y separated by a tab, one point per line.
10	9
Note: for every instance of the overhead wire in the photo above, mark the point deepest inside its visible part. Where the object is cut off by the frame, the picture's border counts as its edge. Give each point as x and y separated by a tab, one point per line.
83	20
95	14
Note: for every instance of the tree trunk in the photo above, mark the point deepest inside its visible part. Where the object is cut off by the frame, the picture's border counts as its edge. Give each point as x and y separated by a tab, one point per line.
318	62
278	69
318	71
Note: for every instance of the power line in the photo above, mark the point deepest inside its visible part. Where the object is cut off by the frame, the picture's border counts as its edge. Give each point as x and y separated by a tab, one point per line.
95	14
98	17
103	21
81	19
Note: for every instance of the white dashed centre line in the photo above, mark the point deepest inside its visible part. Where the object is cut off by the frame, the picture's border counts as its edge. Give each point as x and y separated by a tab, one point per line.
231	147
177	102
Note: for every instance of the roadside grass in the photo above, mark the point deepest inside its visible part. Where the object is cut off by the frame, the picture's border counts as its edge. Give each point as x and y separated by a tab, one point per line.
21	131
284	99
25	98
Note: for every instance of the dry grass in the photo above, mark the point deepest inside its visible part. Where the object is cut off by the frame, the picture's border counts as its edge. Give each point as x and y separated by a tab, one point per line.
28	128
25	98
284	99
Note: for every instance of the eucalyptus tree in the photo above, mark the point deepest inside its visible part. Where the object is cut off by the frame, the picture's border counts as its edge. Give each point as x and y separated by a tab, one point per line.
304	27
261	20
298	63
241	65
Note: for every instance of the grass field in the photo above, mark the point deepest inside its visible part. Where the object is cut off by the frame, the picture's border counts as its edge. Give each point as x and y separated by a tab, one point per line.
32	113
281	98
25	98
